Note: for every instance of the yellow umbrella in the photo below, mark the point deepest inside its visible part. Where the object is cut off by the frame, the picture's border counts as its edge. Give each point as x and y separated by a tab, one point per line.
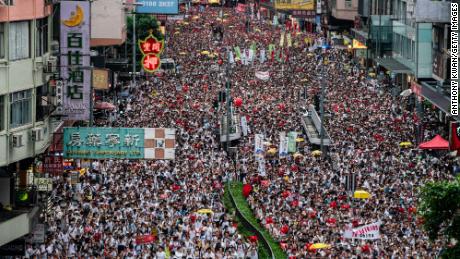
186	23
182	53
299	140
316	153
320	246
296	155
360	194
205	211
405	144
272	151
205	52
177	32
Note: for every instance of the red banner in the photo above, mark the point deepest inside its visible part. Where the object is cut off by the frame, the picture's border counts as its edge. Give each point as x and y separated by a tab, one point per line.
454	143
145	239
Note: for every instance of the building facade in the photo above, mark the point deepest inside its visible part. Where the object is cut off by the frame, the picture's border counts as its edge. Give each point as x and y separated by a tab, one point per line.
26	126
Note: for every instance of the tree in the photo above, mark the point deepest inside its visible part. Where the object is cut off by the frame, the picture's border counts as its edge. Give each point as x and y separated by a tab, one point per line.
440	209
144	23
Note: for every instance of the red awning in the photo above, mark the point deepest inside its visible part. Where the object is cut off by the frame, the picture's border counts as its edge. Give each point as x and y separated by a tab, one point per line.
436	143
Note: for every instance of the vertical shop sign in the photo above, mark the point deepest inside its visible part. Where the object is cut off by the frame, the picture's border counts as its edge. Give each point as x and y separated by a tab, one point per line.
75	59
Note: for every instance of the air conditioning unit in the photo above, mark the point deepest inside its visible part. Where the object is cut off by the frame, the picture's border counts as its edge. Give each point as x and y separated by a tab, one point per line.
17	141
37	134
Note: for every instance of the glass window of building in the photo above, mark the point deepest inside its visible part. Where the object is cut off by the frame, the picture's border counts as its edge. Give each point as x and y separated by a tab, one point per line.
2	113
41	103
21	108
2	40
41	36
19	40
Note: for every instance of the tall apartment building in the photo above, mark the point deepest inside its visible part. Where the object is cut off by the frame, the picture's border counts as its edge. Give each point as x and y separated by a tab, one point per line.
25	123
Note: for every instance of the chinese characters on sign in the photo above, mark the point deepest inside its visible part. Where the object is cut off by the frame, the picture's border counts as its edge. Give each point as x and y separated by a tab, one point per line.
104	143
75	54
123	143
151	48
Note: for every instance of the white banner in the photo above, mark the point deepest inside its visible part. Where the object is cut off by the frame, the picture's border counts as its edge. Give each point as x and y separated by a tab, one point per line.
263	75
367	232
258	145
283	147
244	126
261	168
262	55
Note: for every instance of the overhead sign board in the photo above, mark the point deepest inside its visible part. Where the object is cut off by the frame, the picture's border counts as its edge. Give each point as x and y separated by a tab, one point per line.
294	5
119	143
158	6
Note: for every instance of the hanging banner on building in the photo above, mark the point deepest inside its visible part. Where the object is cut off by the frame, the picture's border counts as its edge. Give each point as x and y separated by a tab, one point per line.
151	49
53	164
292	136
119	143
366	232
158	6
283	146
101	79
75	59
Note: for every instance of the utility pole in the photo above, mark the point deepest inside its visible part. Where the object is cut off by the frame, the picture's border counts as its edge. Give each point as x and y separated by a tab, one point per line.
134	50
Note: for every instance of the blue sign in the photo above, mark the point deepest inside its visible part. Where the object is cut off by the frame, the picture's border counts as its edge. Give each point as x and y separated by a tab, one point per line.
104	143
158	6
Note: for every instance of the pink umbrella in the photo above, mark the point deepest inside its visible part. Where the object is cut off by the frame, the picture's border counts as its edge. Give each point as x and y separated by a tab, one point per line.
104	106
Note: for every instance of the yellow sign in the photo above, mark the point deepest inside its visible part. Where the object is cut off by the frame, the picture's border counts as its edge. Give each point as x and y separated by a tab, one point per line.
101	79
294	4
75	19
358	45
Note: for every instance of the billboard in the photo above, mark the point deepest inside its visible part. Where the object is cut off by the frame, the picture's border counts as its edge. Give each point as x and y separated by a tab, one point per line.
119	143
75	54
158	6
294	5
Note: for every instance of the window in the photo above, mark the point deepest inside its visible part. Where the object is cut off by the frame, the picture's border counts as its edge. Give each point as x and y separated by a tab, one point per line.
21	108
41	103
2	40
348	4
19	40
2	114
41	36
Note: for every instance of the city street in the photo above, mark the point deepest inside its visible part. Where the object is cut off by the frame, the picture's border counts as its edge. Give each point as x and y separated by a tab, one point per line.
349	190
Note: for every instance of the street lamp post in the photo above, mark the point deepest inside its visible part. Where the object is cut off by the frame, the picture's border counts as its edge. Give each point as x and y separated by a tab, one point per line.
134	40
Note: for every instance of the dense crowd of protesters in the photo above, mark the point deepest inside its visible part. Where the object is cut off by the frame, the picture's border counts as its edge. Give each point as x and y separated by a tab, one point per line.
300	201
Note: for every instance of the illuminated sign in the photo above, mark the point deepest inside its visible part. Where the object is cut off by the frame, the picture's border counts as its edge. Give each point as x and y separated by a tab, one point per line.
151	49
358	45
294	5
119	143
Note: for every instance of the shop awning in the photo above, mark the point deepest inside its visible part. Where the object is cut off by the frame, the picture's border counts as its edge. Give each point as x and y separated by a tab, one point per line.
393	65
437	143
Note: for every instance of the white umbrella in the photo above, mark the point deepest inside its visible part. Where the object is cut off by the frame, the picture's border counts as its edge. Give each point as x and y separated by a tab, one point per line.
406	92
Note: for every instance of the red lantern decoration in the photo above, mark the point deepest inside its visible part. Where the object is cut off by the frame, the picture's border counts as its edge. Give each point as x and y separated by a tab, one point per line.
238	102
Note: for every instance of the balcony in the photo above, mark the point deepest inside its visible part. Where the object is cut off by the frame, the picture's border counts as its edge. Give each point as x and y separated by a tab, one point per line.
16	223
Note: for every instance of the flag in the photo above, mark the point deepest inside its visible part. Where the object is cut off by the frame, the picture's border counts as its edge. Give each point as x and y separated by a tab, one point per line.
289	40
237	53
282	39
262	56
263	75
292	141
283	147
231	59
258	144
261	167
244	126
